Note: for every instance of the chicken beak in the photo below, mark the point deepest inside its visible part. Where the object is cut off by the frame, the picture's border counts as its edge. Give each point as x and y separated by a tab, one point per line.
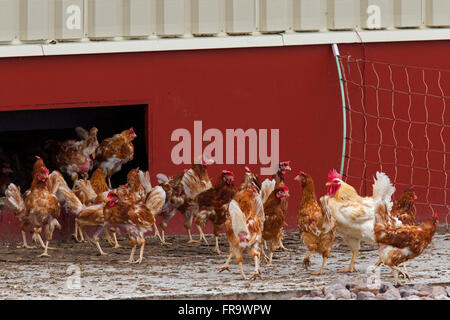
327	184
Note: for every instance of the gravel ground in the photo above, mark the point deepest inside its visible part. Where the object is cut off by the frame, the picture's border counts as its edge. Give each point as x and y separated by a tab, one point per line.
188	271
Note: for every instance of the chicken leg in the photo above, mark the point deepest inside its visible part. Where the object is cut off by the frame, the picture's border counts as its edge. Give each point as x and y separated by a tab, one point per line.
226	266
141	254
256	273
351	267
25	244
217	249
324	261
45	254
131	259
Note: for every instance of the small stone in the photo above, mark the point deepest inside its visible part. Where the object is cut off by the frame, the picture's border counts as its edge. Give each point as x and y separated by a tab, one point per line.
413	297
316	292
385	286
392	294
438	291
405	291
420	293
353	295
423	287
342	294
307	297
448	290
335	285
364	295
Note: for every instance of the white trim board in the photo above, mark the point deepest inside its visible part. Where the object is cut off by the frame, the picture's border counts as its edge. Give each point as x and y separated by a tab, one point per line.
221	42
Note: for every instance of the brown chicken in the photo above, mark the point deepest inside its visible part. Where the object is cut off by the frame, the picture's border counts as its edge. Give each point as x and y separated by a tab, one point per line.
403	209
212	205
274	218
54	185
42	206
398	244
16	204
98	181
316	228
84	191
269	185
133	218
75	157
115	151
181	191
244	230
92	215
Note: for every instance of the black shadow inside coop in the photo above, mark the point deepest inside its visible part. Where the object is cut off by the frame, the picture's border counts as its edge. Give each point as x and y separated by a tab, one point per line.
23	135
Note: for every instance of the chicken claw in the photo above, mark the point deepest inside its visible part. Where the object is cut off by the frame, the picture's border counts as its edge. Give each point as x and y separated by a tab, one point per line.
45	254
255	275
306	263
224	267
349	269
316	273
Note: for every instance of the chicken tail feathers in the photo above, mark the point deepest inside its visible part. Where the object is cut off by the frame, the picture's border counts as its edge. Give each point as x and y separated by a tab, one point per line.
14	200
155	200
144	178
69	200
383	190
238	222
266	189
162	178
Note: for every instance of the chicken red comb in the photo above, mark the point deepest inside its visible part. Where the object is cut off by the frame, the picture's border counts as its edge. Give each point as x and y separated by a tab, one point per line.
333	174
285	189
435	215
413	187
131	129
228	172
286	163
45	170
37	157
111	194
247	169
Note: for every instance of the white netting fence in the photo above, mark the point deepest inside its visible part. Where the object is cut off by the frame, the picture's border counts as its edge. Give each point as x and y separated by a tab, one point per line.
398	122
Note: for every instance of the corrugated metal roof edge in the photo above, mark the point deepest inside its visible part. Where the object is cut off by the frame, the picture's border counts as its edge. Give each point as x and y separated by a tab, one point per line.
220	42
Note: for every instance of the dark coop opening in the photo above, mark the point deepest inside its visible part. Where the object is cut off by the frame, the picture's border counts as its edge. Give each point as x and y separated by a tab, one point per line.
23	135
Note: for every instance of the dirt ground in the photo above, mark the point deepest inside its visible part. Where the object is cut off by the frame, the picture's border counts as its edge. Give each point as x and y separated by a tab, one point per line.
188	271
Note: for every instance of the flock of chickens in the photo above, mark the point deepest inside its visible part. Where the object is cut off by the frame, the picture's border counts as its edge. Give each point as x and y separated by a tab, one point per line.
253	214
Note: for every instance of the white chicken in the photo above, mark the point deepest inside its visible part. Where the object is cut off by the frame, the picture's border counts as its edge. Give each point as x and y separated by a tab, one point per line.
355	215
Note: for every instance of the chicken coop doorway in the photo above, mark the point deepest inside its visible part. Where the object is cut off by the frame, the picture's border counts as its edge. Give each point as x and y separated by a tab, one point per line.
23	134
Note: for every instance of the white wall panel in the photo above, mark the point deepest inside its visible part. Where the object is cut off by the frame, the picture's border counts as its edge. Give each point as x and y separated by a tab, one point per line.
240	16
105	18
8	20
407	13
34	20
69	20
205	16
438	13
342	14
170	17
272	15
307	15
137	18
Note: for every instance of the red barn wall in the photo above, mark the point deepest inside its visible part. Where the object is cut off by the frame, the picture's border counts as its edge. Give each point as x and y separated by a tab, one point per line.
293	89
